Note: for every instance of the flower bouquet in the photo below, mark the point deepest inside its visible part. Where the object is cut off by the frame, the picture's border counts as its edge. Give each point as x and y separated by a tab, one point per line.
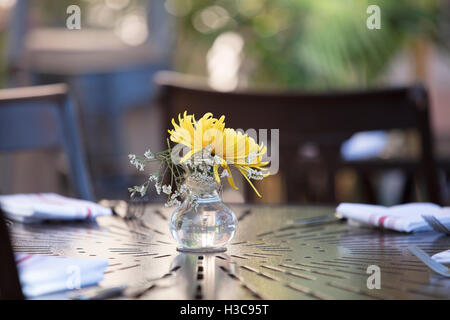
191	173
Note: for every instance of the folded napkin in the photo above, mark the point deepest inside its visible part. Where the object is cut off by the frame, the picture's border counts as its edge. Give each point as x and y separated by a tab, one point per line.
442	257
404	218
46	274
49	206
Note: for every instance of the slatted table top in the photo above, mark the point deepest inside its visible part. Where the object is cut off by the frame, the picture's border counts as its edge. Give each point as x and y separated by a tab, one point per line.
263	261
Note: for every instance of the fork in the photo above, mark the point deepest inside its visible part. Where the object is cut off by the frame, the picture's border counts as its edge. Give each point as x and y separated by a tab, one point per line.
436	224
433	265
314	221
126	210
135	210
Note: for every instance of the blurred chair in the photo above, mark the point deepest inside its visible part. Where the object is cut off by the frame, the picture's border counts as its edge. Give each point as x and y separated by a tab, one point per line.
444	166
106	98
107	76
323	121
44	117
10	288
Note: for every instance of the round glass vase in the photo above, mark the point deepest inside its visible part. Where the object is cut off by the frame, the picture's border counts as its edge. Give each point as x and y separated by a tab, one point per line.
203	223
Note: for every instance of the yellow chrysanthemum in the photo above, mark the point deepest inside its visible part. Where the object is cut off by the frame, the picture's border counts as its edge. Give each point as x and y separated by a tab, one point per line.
196	134
232	147
241	151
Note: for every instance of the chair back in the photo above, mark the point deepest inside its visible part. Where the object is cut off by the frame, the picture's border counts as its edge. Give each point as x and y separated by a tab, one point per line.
44	117
326	119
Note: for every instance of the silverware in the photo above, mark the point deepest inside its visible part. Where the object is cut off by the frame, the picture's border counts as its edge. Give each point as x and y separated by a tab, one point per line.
436	224
300	223
126	210
135	210
128	291
432	264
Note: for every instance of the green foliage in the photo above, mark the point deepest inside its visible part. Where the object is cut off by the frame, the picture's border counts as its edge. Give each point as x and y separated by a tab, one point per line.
312	44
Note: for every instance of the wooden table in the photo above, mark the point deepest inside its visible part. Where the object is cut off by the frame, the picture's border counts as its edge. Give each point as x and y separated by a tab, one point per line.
327	261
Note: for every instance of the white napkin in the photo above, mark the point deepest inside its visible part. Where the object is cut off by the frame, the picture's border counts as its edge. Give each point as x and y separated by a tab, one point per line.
404	217
442	257
46	274
49	206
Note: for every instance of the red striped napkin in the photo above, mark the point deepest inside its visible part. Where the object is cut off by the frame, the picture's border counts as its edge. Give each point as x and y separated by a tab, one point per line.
404	218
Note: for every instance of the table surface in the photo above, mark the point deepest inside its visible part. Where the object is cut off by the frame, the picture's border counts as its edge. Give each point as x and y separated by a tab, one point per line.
263	261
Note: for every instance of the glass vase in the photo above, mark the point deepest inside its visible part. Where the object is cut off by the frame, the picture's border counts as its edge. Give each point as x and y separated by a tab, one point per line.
203	223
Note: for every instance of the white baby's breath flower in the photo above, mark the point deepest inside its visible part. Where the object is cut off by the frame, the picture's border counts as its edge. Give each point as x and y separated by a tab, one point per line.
149	155
173	203
167	189
255	174
183	189
158	188
224	174
142	190
136	162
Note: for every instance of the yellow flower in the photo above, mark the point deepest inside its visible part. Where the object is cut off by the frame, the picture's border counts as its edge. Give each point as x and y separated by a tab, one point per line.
196	134
241	151
232	147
